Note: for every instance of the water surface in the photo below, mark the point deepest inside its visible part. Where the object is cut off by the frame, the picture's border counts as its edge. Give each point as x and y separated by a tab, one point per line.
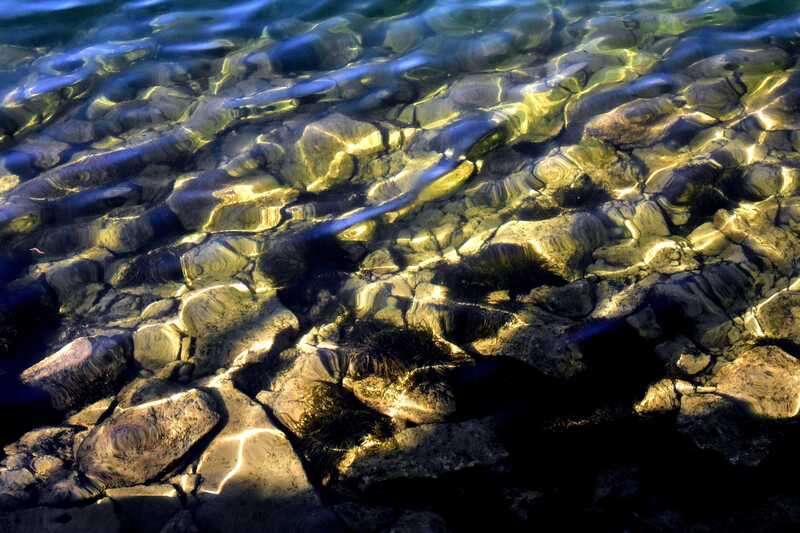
577	218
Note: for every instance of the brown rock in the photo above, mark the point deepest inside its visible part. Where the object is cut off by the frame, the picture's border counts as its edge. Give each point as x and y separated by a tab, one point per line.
559	245
423	453
156	345
779	316
137	444
252	480
660	397
765	379
637	123
84	370
290	393
420	396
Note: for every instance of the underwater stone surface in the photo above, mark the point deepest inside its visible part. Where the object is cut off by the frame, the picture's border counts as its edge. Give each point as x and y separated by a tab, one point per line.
136	444
437	266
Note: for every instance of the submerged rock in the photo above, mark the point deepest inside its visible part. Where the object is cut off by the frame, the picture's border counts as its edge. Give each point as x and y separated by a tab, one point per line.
17	487
638	123
424	453
211	261
661	397
325	153
683	355
39	470
292	389
291	271
765	379
84	370
137	444
420	396
560	245
545	343
156	345
779	316
210	311
250	466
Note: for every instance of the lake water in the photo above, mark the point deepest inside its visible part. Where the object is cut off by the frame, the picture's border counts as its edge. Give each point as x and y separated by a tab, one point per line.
493	263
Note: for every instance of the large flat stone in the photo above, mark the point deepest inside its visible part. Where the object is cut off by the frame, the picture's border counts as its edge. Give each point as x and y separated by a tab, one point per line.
135	445
252	480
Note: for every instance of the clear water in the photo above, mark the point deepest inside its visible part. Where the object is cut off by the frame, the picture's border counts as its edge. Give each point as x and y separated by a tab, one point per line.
577	197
